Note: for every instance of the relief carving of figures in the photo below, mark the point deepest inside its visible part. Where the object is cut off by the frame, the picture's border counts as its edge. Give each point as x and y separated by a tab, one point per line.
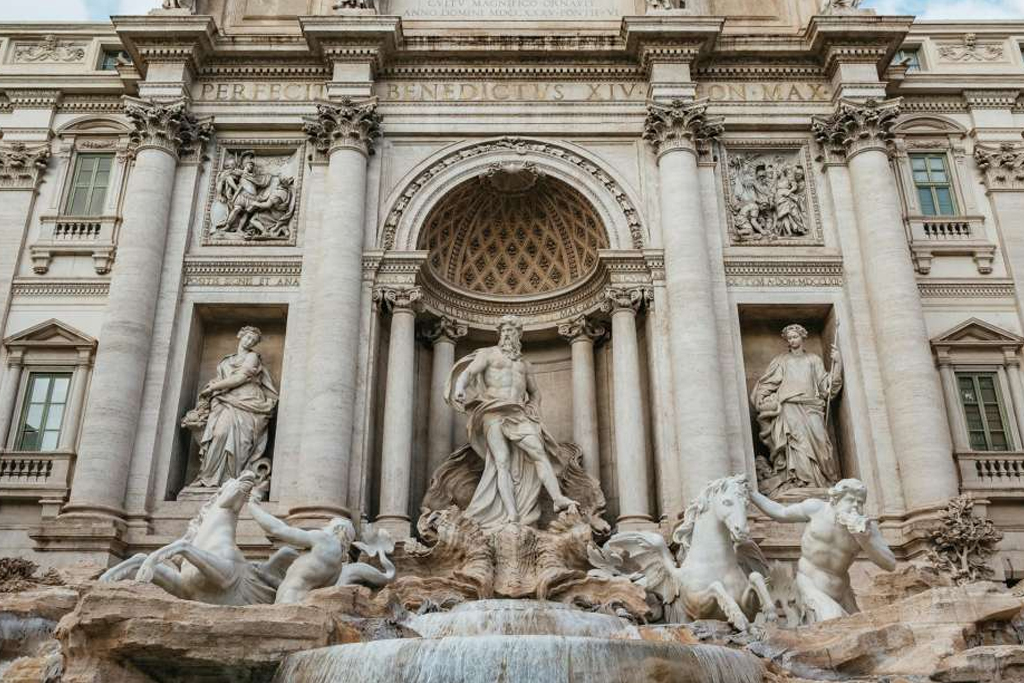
971	51
496	389
768	197
253	202
791	399
49	50
231	418
836	532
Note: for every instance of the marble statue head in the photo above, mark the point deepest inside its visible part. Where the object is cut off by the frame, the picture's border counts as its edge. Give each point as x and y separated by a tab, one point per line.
253	333
343	529
510	330
794	335
847	497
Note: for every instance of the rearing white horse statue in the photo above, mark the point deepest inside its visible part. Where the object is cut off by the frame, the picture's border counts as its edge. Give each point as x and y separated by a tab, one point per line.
212	568
721	571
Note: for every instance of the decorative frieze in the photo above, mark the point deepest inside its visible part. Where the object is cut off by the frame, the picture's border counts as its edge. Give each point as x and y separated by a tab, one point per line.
966	289
1002	165
769	193
254	193
971	50
352	124
21	165
855	126
33	98
242	272
991	99
49	50
681	125
789	272
166	126
57	289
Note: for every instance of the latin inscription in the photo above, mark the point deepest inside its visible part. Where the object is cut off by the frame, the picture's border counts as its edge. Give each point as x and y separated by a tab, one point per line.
765	92
511	9
258	91
241	281
509	91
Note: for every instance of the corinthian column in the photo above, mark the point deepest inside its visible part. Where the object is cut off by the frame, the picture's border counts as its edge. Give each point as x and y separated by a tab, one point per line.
161	133
346	133
581	335
678	131
630	431
396	451
913	394
442	336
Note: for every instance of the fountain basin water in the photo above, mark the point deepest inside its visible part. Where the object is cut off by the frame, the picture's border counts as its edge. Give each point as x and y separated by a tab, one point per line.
511	641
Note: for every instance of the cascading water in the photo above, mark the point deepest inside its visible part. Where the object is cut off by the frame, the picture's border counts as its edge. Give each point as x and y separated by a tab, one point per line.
509	641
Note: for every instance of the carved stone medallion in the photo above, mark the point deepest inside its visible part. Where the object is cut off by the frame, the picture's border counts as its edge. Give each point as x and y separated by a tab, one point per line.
254	193
770	196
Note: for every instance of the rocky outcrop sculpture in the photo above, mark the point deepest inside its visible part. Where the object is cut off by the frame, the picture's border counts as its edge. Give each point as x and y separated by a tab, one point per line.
718	573
963	544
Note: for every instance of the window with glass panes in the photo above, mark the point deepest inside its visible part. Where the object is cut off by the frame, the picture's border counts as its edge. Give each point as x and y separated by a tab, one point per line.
89	184
909	57
983	408
934	190
43	412
108	62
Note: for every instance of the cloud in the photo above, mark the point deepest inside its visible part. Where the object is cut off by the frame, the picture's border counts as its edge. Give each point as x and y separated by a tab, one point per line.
136	6
973	9
50	10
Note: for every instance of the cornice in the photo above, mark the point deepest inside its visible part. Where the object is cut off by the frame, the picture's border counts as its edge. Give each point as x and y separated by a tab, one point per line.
269	68
470	72
106	104
359	38
242	272
784	271
49	287
166	38
965	289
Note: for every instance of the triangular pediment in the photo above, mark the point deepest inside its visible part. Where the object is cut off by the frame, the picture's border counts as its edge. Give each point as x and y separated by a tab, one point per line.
976	332
50	334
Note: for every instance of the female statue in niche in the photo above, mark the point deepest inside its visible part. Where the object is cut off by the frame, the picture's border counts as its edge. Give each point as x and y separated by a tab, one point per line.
233	413
790	399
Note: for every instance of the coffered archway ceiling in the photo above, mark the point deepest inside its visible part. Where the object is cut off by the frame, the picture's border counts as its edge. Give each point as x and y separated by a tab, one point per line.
513	232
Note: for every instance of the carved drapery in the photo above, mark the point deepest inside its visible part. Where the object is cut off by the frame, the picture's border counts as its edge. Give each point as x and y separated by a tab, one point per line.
166	125
1002	166
350	123
854	127
21	166
511	243
681	124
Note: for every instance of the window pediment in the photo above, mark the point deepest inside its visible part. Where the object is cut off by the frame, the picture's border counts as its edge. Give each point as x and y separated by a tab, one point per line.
977	333
51	334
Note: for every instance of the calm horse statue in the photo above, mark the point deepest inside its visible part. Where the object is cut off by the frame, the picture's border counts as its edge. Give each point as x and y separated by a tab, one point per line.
721	571
206	563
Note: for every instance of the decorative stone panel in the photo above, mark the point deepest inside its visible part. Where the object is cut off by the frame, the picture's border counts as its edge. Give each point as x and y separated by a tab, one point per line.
770	194
254	193
49	50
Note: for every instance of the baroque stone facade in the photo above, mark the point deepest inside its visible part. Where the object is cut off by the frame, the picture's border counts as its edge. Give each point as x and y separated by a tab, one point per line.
376	186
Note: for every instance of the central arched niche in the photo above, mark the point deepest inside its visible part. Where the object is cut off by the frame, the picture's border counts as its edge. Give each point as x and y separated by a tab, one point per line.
512	231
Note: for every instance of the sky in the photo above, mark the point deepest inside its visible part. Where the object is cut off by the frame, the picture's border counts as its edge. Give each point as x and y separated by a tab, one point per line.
84	10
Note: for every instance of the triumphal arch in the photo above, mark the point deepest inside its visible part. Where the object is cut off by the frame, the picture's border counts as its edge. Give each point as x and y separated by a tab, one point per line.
512	271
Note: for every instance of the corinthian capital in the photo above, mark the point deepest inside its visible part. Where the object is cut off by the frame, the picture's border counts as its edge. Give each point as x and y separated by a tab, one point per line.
22	166
681	125
444	329
626	298
166	125
1002	165
856	126
580	328
347	124
390	299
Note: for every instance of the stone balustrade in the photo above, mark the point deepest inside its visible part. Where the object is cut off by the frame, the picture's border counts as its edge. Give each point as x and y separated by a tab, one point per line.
42	477
75	235
985	473
932	236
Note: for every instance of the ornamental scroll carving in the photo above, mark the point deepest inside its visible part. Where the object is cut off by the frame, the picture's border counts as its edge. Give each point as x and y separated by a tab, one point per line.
166	126
770	197
682	125
971	51
350	123
254	195
1002	166
856	126
22	166
523	147
49	50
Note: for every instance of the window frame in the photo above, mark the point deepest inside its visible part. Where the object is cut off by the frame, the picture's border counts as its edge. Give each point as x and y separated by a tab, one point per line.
73	186
907	50
26	404
932	186
974	373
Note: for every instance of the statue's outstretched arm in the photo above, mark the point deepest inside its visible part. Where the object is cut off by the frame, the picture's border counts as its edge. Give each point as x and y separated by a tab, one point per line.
874	545
278	529
799	512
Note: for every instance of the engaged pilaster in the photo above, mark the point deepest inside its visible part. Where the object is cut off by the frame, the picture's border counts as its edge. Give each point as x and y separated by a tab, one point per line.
396	451
859	132
346	133
581	334
162	133
442	335
679	132
623	303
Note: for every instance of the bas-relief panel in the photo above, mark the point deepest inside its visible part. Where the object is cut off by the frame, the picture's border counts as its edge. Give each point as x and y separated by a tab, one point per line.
770	195
254	193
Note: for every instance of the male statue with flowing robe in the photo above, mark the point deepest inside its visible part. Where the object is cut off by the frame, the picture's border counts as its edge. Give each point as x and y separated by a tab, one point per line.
790	399
496	389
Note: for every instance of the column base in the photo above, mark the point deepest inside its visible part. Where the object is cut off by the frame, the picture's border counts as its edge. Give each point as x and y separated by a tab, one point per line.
314	516
635	523
99	538
399	527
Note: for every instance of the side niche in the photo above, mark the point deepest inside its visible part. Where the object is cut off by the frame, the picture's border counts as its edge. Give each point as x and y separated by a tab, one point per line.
254	194
770	195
